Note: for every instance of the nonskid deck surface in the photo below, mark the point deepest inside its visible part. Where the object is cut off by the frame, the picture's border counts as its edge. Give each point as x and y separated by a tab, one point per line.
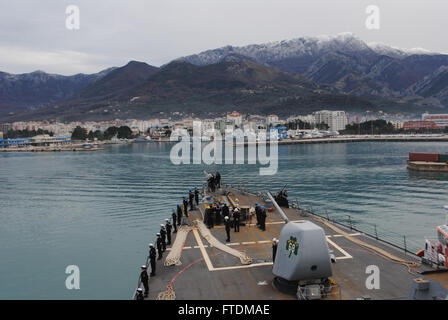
209	273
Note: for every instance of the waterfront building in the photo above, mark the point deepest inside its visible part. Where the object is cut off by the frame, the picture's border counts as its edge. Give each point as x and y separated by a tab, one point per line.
397	124
441	120
235	118
5	127
220	124
271	119
336	120
420	124
40	140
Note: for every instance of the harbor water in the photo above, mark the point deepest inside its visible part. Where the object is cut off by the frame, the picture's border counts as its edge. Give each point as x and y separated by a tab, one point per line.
100	210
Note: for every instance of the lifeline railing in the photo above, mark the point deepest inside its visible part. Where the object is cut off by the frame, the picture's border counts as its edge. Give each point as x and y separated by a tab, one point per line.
397	240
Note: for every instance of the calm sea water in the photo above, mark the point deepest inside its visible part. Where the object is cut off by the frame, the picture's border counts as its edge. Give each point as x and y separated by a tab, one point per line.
99	210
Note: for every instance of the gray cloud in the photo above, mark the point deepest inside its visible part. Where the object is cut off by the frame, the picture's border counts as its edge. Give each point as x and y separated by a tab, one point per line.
33	34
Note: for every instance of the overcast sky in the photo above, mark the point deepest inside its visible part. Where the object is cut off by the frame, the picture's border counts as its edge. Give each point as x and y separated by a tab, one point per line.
33	34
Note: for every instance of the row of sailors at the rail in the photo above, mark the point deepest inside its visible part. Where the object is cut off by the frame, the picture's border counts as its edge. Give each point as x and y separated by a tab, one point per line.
178	217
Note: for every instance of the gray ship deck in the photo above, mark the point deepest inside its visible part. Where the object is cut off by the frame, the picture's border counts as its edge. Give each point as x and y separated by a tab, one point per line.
209	273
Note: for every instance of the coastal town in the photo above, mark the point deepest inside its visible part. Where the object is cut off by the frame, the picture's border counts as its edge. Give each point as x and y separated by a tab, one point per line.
330	125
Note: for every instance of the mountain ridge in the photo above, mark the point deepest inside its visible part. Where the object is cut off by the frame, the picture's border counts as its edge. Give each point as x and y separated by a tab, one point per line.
290	76
19	92
331	59
212	90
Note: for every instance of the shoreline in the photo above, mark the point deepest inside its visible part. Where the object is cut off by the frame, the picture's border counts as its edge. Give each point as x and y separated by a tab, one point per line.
366	139
288	141
342	139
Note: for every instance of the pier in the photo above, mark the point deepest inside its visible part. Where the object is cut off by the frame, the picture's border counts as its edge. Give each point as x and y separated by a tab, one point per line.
65	148
346	139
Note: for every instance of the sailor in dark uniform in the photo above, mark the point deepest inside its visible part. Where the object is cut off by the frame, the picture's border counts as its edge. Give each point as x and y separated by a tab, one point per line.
145	280
263	219
227	226
210	182
217	212
152	259
274	248
179	214
236	219
185	203
206	215
225	210
196	195
139	295
163	236
168	231
258	213
210	216
218	180
159	246
174	217
191	199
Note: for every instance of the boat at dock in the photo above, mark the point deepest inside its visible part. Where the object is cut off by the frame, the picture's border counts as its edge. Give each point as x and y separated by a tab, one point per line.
143	139
316	258
432	162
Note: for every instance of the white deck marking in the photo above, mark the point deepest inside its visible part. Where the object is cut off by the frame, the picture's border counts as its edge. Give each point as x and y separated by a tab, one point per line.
341	235
243	266
210	266
267	223
207	260
345	253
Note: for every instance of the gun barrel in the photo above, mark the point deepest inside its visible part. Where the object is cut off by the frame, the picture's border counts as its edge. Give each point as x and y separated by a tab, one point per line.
285	218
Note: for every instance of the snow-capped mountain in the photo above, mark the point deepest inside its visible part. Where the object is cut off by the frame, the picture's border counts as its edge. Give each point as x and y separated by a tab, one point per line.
344	61
291	76
286	49
394	52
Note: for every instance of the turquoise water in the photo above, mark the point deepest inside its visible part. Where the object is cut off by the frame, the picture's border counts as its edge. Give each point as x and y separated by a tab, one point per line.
99	210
